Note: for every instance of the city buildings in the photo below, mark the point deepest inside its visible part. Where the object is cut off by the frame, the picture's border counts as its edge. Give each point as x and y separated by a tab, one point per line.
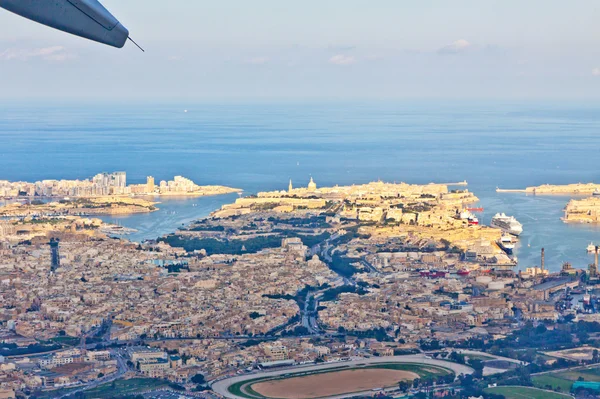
107	184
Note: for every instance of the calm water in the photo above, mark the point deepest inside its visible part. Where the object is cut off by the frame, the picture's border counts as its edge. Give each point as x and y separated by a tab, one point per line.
261	146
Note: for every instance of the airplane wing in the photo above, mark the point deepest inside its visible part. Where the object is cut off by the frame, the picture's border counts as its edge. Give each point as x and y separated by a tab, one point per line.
84	18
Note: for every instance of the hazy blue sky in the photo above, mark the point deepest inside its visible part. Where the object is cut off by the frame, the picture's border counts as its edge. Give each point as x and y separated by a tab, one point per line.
327	48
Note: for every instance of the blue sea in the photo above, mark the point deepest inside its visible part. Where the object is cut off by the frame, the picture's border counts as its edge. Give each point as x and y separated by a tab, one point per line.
260	146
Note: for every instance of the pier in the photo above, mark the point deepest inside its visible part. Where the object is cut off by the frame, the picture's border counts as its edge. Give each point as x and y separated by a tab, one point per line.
508	190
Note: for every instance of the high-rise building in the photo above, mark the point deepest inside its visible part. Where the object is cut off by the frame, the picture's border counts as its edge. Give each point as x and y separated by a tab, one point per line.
55	254
110	183
120	179
150	184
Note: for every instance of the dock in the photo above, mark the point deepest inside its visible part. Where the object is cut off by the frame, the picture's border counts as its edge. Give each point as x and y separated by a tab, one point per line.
509	190
462	183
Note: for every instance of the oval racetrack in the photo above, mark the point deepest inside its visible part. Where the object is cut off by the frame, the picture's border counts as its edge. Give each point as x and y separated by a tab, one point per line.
222	386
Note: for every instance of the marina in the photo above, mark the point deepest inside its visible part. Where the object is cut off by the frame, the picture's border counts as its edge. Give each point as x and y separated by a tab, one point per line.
261	164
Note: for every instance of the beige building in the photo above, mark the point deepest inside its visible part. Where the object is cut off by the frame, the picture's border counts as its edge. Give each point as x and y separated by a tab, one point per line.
155	369
276	351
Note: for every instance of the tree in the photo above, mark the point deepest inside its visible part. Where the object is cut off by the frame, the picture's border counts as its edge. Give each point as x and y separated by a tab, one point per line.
176	387
255	315
478	367
404	386
199	379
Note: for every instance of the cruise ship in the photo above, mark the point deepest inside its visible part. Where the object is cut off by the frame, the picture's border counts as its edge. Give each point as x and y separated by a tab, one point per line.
508	224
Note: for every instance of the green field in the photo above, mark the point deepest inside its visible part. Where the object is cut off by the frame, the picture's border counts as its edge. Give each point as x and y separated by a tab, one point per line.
244	388
553	381
125	387
587	374
564	379
525	393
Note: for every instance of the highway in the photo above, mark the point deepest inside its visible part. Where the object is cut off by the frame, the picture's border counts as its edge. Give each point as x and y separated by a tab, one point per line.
221	386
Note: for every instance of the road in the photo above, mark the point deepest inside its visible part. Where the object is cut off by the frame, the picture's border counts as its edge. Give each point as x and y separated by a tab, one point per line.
221	386
308	315
369	266
121	370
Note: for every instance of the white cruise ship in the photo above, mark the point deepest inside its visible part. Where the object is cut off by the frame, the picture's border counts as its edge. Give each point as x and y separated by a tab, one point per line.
508	224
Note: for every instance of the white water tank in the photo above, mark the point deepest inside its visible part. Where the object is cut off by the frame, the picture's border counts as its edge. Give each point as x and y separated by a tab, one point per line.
496	285
483	279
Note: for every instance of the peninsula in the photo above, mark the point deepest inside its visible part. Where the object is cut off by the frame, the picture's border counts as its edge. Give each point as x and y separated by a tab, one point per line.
109	184
78	207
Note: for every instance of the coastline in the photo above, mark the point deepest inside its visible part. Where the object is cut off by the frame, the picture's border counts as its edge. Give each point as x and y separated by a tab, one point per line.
227	190
557	189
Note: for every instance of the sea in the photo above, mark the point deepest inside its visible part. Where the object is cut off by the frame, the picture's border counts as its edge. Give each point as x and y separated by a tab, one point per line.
261	145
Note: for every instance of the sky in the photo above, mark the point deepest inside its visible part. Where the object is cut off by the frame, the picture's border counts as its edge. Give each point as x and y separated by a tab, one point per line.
330	49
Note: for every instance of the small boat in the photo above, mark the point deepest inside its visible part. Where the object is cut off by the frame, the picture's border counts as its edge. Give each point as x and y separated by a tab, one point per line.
463	272
433	273
469	217
591	248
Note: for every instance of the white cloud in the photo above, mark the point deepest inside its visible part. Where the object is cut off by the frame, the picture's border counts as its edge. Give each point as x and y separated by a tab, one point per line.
596	71
257	60
456	47
54	53
341	59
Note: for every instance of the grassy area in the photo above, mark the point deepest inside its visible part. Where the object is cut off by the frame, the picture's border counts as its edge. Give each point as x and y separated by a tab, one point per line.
479	357
66	340
125	387
525	393
588	375
239	388
564	380
553	381
53	393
